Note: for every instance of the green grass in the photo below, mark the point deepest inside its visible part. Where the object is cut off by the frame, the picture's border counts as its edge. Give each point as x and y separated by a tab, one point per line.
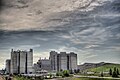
20	78
73	78
26	78
92	79
104	68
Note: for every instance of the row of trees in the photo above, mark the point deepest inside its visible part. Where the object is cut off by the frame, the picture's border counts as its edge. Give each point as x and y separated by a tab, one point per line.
66	73
114	72
75	71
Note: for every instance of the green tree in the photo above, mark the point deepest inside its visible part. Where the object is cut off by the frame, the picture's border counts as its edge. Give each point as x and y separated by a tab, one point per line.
57	74
66	73
61	70
50	75
75	71
71	71
115	73
102	74
118	72
110	71
78	70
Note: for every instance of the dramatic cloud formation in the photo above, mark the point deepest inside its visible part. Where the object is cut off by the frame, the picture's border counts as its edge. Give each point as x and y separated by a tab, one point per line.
89	28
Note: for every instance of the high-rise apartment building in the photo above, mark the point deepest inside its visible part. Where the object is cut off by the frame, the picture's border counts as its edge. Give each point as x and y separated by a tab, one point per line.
21	61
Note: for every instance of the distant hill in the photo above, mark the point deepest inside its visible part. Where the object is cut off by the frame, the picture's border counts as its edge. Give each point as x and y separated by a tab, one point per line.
98	67
104	68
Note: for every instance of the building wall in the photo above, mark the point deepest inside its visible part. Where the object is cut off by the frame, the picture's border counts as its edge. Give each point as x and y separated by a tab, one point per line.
30	61
8	66
14	61
45	64
53	59
73	61
63	61
21	61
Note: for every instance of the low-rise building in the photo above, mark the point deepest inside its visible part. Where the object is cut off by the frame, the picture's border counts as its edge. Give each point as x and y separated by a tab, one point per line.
43	64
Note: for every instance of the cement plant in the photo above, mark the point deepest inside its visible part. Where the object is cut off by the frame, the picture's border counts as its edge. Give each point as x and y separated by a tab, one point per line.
59	66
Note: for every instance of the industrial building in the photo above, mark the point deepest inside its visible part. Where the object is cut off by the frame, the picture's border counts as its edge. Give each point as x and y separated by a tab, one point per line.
63	61
42	64
21	61
8	66
57	62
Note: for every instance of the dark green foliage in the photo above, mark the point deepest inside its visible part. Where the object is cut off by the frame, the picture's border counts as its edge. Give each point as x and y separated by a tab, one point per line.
75	71
78	70
59	74
110	71
71	71
66	73
61	70
50	75
118	72
115	73
102	74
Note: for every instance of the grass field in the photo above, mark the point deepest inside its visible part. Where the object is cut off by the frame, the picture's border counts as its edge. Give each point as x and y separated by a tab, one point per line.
104	68
73	78
92	79
67	78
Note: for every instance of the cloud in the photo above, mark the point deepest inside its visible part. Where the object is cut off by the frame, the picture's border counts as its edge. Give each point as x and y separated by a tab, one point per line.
27	46
85	32
91	46
38	55
3	58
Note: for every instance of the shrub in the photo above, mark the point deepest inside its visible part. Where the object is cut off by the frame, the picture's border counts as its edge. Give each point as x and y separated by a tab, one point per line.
66	73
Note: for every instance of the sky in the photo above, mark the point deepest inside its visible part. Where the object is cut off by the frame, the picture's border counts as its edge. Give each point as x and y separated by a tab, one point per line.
90	28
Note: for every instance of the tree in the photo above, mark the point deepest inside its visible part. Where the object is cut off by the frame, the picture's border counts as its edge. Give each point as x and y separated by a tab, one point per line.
75	71
57	74
110	71
50	75
61	70
71	71
66	73
102	74
115	73
118	72
78	70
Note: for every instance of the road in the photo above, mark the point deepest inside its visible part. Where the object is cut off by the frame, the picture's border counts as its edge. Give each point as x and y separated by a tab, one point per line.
1	78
